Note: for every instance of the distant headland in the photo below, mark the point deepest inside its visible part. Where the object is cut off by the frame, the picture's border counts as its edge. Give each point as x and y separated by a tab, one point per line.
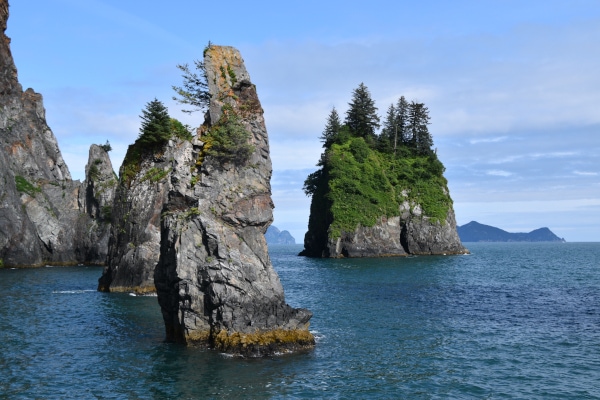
275	236
476	232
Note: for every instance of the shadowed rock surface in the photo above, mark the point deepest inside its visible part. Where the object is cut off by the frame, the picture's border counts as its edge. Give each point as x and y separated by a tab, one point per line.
41	218
134	244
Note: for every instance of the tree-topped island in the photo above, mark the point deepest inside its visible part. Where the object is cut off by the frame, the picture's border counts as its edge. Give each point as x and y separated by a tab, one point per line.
379	194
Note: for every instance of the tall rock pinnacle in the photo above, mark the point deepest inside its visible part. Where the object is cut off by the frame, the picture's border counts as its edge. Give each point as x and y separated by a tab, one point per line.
214	279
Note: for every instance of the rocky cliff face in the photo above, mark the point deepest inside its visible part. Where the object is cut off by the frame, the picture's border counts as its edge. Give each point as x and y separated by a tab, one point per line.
214	278
41	220
411	233
134	245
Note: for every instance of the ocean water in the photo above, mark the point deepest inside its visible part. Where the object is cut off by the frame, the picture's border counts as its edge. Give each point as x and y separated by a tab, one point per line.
509	321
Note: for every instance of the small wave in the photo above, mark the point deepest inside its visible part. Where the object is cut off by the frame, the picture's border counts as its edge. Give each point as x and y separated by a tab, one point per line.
73	291
143	295
318	336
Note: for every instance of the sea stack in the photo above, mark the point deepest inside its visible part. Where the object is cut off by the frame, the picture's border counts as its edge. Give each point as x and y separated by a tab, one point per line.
379	194
215	282
41	218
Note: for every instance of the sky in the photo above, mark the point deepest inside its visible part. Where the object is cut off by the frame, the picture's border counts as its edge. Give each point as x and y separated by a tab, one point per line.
512	87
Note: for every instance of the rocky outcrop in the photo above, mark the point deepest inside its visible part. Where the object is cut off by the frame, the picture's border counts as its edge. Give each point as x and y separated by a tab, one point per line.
134	244
215	282
96	196
41	220
411	233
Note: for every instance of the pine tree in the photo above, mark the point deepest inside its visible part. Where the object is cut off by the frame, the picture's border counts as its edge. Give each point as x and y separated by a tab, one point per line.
387	138
194	91
361	117
420	138
332	129
156	124
402	117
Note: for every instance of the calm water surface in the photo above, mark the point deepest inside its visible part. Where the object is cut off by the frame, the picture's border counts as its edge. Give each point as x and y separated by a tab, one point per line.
511	320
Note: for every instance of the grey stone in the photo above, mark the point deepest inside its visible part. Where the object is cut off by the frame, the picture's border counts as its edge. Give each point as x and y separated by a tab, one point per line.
214	278
41	218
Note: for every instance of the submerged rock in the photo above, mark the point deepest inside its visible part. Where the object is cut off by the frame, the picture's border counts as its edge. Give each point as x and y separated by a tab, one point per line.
41	219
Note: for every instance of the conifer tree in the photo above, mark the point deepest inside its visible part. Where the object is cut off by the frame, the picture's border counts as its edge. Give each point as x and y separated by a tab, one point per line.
361	117
402	114
332	129
194	91
387	137
420	138
156	124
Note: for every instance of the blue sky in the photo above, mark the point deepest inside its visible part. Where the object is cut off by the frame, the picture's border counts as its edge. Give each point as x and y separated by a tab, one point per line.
513	88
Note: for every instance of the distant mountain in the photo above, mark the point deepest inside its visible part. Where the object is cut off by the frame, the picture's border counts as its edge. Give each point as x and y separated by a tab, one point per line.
476	232
275	236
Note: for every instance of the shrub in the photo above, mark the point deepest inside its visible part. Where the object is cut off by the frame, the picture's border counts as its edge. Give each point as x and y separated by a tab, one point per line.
106	146
93	172
228	140
181	131
24	186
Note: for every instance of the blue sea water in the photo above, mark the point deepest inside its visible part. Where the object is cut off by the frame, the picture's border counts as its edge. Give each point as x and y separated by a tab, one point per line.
509	321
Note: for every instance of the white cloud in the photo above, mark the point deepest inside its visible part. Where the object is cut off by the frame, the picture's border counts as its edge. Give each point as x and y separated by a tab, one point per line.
498	172
585	173
489	140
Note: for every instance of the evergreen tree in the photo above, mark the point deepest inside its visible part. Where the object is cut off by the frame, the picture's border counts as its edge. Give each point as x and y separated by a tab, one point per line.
194	91
156	124
332	129
420	138
361	117
402	117
387	138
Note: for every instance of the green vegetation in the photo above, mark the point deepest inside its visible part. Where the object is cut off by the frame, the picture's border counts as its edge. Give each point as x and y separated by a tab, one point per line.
106	213
156	125
93	172
156	129
106	146
1	263
232	76
364	176
228	140
181	131
155	174
194	91
189	213
24	186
